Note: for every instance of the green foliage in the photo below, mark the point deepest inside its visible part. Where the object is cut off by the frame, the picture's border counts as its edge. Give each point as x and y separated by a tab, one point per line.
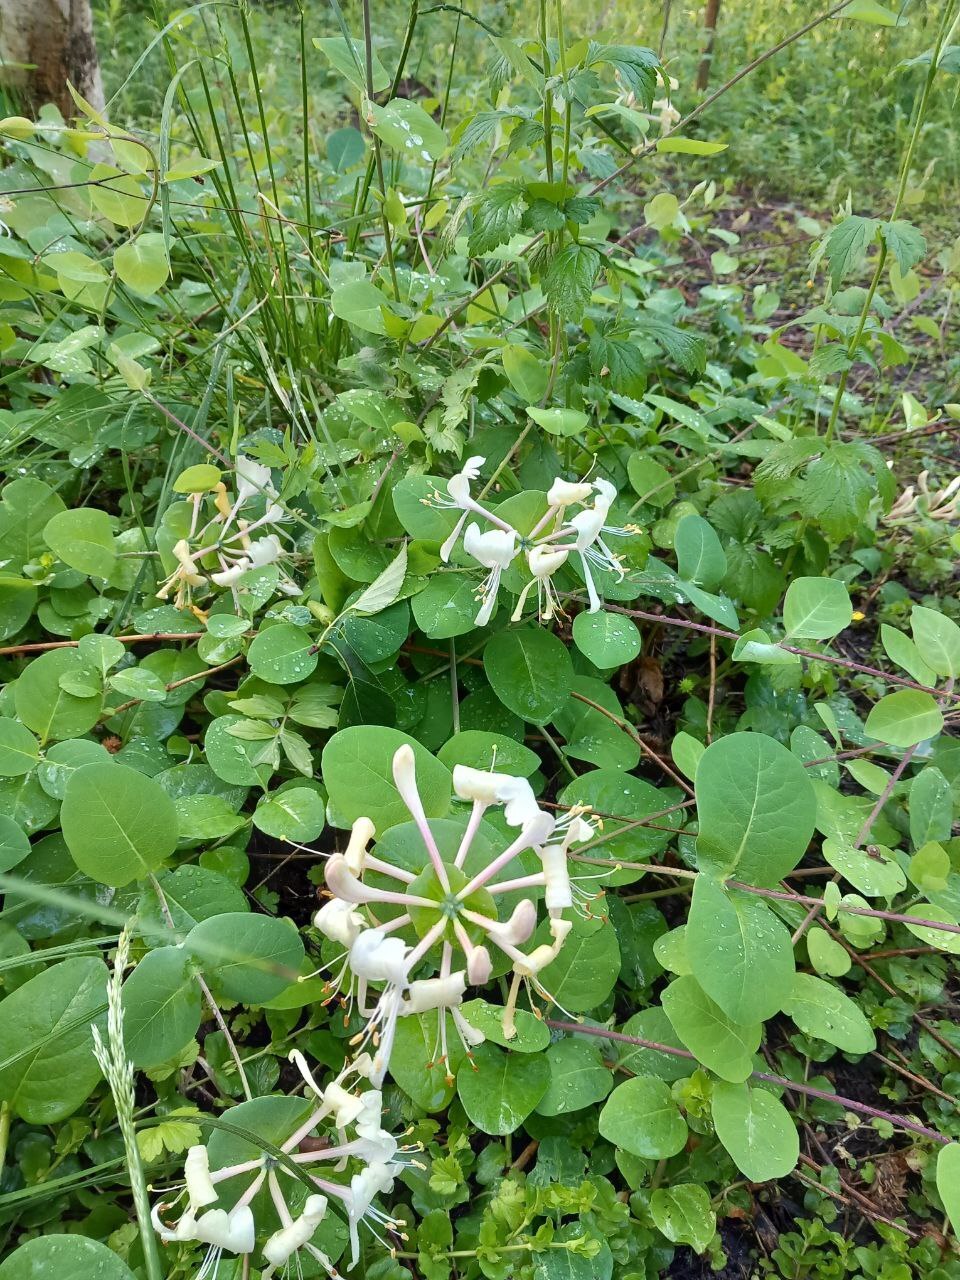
294	376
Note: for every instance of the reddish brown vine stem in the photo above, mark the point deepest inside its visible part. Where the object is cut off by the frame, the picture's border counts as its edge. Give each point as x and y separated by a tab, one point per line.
44	645
668	621
808	1089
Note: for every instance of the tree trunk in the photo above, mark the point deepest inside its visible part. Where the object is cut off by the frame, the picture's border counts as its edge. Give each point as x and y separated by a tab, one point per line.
711	15
45	43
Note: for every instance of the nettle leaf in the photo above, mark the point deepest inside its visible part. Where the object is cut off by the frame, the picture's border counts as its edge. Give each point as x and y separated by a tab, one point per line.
119	825
816	608
641	1117
756	806
687	348
838	489
725	1046
821	1009
846	244
569	279
478	129
905	242
47	1067
740	953
635	67
496	218
756	1130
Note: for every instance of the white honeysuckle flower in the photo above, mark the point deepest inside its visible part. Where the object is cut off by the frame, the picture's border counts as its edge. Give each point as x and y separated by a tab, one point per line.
455	911
940	504
494	550
230	576
340	922
565	493
458	498
264	551
186	575
436	993
543	563
588	527
196	1172
375	1155
253	479
283	1244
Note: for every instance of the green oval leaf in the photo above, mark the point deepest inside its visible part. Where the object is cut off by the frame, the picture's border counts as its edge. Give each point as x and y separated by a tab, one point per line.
119	825
641	1117
756	1129
530	671
757	809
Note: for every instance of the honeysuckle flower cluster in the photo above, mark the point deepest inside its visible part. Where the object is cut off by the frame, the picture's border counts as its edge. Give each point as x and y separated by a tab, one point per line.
230	537
555	538
938	504
344	1104
452	915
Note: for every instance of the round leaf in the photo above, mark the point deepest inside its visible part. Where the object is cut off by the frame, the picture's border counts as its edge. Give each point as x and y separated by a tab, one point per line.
248	957
161	1007
721	1044
739	952
816	608
530	672
47	1067
50	1257
756	806
498	1090
83	539
904	718
19	749
14	843
119	825
142	264
45	707
607	639
756	1130
821	1009
641	1117
294	814
357	766
282	654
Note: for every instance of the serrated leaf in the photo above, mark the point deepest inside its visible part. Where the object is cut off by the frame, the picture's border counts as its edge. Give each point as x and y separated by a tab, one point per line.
568	280
496	218
846	244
